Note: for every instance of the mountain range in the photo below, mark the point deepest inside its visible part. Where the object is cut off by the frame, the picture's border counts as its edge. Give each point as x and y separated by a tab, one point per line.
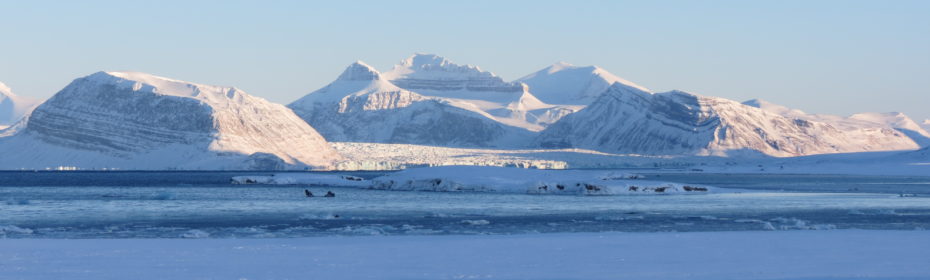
135	120
566	106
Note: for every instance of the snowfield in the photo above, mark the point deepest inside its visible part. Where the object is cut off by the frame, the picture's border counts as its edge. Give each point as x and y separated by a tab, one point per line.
832	254
490	179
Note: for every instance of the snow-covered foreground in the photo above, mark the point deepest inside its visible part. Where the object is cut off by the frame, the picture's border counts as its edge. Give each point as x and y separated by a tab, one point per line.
838	254
489	179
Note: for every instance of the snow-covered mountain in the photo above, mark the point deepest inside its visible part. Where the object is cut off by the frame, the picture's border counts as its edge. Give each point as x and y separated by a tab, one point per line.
133	120
898	121
510	103
362	106
862	122
926	124
563	83
13	107
626	120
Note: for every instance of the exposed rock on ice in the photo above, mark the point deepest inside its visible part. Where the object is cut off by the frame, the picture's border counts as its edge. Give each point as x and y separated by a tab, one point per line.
303	179
531	181
491	179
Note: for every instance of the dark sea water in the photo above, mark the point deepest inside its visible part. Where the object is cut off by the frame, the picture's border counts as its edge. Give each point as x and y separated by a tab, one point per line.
205	204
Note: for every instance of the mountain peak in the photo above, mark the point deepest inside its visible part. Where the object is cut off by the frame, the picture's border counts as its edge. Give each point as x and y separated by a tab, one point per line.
5	90
564	83
138	81
431	66
12	106
559	66
419	60
360	71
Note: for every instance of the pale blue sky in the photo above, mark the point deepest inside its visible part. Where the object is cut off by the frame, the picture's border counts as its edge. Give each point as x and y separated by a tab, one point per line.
836	57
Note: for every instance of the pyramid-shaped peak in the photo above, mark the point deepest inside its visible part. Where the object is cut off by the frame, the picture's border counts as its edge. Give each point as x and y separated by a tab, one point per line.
360	71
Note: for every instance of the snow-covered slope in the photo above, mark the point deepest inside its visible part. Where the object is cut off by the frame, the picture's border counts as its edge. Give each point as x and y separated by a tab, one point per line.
862	122
898	121
778	109
13	107
133	120
631	121
563	83
361	106
510	103
926	124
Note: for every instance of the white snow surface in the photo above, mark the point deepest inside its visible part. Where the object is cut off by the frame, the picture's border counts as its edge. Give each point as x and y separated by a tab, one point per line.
827	254
13	107
129	120
563	83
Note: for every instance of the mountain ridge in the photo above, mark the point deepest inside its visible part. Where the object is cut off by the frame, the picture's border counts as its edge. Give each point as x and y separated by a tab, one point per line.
123	118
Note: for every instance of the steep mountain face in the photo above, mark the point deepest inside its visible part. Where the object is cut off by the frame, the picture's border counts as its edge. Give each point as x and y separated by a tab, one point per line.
139	121
625	120
13	107
563	83
362	106
864	123
510	103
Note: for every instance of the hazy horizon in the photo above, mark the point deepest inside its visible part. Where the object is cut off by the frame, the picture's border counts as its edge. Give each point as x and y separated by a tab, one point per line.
830	57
